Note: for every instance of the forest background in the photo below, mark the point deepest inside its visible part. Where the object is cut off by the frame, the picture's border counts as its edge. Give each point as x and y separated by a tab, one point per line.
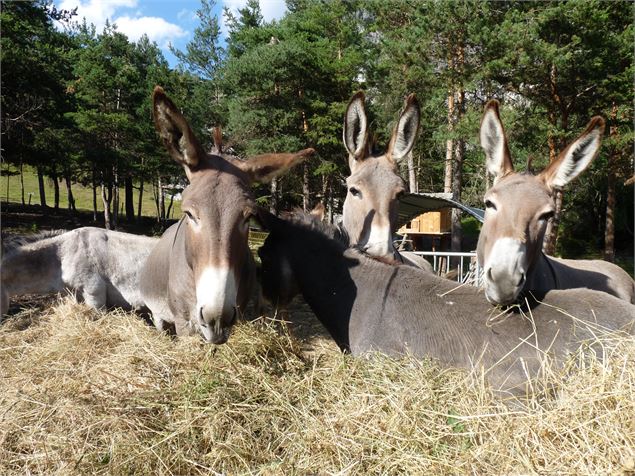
76	110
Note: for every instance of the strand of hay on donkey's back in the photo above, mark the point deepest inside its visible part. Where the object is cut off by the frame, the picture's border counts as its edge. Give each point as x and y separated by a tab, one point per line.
83	392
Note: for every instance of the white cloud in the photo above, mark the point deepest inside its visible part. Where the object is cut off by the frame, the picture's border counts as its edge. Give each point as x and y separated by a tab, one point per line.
271	9
156	28
186	14
97	11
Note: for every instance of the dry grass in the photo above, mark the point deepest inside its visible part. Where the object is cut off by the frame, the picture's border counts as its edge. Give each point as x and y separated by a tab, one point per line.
89	393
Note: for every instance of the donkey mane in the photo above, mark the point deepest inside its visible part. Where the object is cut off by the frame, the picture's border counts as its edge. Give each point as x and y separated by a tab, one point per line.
337	233
12	242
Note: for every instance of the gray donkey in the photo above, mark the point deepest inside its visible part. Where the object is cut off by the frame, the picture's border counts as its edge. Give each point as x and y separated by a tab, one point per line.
374	186
518	208
100	266
201	273
368	305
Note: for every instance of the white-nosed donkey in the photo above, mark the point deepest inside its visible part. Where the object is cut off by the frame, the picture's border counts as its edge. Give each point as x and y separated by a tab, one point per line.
374	186
201	273
517	209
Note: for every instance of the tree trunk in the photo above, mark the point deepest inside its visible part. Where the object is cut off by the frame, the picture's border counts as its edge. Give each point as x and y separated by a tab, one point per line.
56	189
106	197
115	199
140	201
129	196
21	179
325	187
155	196
413	186
457	178
459	153
94	184
167	214
8	178
161	201
40	181
306	191
609	231
449	144
273	203
551	235
69	191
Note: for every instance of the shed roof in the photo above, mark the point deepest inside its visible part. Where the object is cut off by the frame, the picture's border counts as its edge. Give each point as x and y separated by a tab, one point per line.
413	204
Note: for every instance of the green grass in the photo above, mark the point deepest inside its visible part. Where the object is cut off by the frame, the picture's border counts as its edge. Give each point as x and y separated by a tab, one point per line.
10	191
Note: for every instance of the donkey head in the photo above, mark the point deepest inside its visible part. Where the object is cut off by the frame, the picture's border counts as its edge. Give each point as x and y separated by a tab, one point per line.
205	273
374	186
298	238
519	205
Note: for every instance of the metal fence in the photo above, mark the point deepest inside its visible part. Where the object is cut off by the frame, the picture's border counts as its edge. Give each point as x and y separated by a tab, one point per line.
461	266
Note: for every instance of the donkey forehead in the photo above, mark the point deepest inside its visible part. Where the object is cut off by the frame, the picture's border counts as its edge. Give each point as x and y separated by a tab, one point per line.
218	189
523	191
377	173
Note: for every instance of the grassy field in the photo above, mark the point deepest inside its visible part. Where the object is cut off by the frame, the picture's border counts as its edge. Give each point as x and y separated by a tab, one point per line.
84	392
83	195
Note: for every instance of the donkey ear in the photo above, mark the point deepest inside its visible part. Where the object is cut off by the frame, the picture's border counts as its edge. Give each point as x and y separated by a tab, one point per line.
263	168
175	132
576	157
318	211
217	136
405	132
494	142
355	129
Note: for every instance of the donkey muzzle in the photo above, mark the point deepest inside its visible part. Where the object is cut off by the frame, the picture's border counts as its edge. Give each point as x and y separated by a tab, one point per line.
216	329
505	273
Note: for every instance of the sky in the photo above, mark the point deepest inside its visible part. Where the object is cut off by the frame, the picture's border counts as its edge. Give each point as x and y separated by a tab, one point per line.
164	21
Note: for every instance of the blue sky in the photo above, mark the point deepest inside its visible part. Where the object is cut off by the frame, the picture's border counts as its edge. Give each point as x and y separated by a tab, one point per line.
164	21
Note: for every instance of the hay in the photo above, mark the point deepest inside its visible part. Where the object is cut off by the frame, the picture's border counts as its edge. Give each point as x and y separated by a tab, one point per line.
83	392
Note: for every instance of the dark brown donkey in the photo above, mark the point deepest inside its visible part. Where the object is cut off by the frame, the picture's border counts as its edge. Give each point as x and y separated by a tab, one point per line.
201	272
374	186
368	305
518	208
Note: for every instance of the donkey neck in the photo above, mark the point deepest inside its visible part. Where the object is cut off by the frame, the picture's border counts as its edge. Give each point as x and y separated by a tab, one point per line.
543	275
323	278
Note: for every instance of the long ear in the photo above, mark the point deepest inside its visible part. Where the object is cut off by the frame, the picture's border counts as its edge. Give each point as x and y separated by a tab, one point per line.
263	168
217	136
405	132
175	132
576	157
318	211
355	129
494	142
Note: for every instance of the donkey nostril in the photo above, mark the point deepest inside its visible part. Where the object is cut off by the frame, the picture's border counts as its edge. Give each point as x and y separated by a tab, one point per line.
489	274
201	319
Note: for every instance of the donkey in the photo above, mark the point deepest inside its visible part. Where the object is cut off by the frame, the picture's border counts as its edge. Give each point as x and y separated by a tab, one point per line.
201	272
374	186
517	209
368	305
100	266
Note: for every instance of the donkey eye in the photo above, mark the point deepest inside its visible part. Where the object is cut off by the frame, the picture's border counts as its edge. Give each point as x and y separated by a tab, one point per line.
355	192
189	215
546	216
489	204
